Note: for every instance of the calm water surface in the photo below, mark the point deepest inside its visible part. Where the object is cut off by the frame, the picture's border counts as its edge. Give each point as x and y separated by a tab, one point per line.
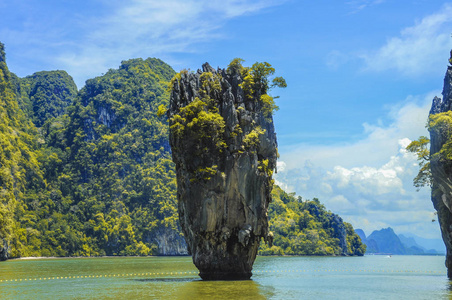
368	277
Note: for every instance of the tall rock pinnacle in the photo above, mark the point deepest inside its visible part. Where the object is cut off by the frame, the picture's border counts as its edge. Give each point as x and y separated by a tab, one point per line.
440	164
224	146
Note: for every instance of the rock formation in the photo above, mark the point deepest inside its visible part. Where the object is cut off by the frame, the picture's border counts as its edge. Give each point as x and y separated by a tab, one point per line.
441	168
169	242
224	146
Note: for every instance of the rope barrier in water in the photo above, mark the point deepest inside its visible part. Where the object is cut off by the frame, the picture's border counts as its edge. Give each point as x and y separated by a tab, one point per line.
255	272
97	276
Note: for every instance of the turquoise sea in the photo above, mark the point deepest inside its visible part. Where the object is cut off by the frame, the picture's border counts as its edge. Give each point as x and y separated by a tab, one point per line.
368	277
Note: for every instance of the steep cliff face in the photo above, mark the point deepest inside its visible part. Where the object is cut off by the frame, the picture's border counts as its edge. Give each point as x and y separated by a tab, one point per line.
120	149
169	242
441	168
224	147
19	170
337	224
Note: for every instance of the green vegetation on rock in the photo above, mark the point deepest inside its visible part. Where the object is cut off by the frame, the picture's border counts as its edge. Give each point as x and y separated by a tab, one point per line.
436	163
420	148
441	125
49	94
19	167
256	83
305	227
98	180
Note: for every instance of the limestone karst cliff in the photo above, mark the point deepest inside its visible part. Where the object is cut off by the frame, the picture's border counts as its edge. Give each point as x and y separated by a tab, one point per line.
440	121
224	146
19	167
96	176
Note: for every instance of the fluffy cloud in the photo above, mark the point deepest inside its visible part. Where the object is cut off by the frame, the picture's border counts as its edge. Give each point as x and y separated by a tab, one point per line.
419	49
370	182
406	120
87	39
154	28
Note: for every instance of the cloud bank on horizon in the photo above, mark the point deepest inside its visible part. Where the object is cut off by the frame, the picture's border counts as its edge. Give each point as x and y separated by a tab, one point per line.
368	182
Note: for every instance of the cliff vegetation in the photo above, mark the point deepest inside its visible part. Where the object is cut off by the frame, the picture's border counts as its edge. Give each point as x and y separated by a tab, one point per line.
89	172
436	163
306	227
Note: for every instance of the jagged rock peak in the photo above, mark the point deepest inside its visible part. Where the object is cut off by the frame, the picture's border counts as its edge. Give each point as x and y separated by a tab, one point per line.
224	147
207	68
445	104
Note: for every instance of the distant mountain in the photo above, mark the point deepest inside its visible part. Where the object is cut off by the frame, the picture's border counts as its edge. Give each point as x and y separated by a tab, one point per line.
432	246
387	241
412	247
361	234
408	241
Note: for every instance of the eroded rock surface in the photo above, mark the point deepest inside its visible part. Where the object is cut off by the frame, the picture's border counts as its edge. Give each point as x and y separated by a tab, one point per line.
442	169
224	145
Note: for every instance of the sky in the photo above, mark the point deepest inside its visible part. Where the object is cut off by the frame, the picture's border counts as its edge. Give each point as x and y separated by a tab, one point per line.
361	77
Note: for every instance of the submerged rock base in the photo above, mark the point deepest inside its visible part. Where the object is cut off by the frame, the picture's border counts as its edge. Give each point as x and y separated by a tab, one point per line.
224	147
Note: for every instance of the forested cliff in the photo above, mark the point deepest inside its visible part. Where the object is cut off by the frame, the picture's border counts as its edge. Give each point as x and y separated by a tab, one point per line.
89	172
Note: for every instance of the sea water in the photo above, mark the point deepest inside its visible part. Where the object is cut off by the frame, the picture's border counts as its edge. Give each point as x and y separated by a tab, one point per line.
368	277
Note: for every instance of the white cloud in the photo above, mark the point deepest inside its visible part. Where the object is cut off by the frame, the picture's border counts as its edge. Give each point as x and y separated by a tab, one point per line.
407	119
421	48
141	28
87	39
280	165
370	182
358	5
335	59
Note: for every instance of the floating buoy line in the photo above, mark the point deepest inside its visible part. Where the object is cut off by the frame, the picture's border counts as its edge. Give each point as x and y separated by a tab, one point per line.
98	276
195	273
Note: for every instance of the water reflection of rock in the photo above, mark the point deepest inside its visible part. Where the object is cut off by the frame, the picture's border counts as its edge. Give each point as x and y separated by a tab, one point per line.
244	289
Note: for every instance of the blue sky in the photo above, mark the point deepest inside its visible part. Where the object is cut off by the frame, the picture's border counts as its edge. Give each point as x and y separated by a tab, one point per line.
361	75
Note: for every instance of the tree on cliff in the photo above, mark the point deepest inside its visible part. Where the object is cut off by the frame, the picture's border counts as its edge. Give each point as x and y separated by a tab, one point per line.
256	83
442	124
420	147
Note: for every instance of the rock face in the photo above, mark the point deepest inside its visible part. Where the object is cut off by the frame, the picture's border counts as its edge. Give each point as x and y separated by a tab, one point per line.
169	242
224	147
5	250
338	226
442	170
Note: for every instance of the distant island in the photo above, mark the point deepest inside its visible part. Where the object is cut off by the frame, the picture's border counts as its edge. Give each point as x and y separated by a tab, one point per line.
386	241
